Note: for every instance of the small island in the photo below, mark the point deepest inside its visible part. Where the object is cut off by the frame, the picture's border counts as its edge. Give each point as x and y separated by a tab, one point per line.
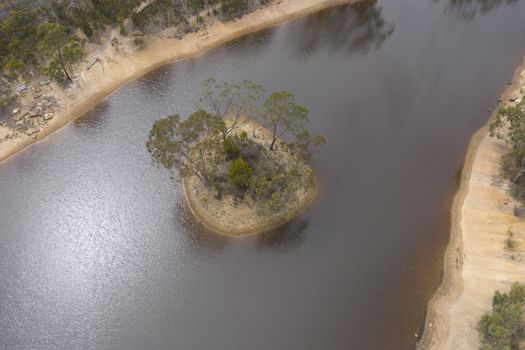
244	161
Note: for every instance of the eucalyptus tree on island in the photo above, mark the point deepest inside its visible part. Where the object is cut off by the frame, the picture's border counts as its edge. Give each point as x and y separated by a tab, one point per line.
229	163
183	145
232	101
283	115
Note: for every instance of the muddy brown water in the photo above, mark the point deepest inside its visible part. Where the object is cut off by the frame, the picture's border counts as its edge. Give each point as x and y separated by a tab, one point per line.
98	251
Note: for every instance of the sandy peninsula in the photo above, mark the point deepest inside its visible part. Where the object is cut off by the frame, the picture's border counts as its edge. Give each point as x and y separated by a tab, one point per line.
113	69
477	262
233	218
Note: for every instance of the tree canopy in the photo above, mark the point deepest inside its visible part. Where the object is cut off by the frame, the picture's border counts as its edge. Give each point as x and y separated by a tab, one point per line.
216	146
182	145
48	36
61	50
235	101
509	126
283	115
503	327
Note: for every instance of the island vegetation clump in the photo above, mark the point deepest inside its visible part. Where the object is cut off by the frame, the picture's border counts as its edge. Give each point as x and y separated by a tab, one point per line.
503	327
240	174
509	126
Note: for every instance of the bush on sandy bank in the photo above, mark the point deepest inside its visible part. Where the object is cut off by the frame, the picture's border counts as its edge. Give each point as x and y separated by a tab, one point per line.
503	327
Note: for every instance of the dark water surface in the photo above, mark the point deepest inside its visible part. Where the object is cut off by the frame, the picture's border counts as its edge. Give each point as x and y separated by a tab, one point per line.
98	252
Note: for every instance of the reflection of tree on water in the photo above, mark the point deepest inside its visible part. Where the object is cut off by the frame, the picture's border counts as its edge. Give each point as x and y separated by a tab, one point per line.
468	9
283	238
286	237
351	28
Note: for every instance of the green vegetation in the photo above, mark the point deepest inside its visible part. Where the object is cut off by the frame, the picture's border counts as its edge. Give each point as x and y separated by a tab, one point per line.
509	126
61	51
281	111
510	242
503	327
48	37
138	41
41	39
229	154
236	8
228	100
231	147
183	145
240	174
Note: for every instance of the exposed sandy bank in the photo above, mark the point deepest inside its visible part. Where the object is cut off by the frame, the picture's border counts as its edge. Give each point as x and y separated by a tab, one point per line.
476	261
240	219
4	131
115	69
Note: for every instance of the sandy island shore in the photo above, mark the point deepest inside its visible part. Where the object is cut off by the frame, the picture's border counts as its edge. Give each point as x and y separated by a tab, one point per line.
241	219
115	69
477	262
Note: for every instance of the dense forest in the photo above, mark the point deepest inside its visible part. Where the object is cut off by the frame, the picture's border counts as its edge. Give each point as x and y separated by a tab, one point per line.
48	37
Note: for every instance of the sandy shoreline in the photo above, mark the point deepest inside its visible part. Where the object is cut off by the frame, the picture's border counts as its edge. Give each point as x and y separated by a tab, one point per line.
115	70
227	218
476	262
212	224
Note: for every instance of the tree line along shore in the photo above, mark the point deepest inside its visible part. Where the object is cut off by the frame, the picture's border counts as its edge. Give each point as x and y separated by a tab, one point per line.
35	105
45	41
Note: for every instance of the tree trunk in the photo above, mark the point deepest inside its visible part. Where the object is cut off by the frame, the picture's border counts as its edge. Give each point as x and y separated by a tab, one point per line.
273	136
63	65
518	176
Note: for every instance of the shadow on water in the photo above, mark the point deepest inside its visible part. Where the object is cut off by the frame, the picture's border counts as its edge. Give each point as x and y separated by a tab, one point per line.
95	118
248	44
354	28
286	237
155	83
468	9
197	234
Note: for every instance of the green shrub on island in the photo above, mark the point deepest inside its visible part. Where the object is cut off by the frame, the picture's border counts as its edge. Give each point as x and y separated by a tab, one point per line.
240	174
503	327
231	147
230	154
509	126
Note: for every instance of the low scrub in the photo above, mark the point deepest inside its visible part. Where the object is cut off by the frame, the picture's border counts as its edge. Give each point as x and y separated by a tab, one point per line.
509	126
503	327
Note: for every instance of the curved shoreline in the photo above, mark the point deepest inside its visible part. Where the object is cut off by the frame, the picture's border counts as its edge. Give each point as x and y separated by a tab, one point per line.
241	229
475	262
114	71
214	226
